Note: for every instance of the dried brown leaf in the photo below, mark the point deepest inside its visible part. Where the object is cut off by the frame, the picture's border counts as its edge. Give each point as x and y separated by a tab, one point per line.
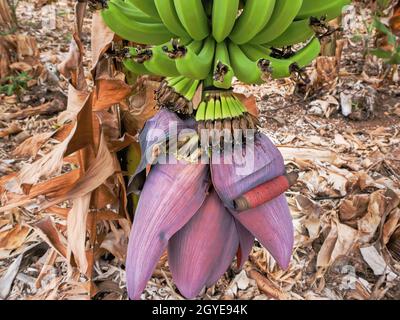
6	19
376	262
72	66
390	226
31	146
97	173
76	231
7	279
109	92
369	224
353	208
79	136
48	231
293	153
116	242
123	142
14	238
339	241
77	99
249	102
141	106
48	165
102	37
12	129
267	286
48	108
5	60
51	188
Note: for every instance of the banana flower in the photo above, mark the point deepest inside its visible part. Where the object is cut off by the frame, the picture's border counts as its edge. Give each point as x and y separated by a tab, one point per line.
187	209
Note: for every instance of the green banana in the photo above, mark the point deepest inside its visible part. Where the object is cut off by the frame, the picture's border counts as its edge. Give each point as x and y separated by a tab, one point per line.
174	80
168	15
284	13
145	33
197	66
321	8
182	86
160	64
224	15
235	112
193	17
218	110
133	13
136	68
298	32
306	55
279	68
179	51
201	111
226	114
255	52
240	46
208	82
192	90
210	112
186	91
195	46
256	14
246	70
239	105
222	78
147	6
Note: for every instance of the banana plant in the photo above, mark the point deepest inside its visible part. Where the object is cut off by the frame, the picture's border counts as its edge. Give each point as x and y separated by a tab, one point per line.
204	214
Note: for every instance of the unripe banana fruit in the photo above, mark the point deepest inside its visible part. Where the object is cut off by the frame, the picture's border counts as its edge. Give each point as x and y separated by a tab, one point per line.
223	118
224	13
177	93
256	14
193	18
284	13
207	43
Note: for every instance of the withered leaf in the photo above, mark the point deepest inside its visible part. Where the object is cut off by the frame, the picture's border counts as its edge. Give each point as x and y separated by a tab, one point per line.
353	208
48	231
31	146
339	241
102	37
76	230
14	238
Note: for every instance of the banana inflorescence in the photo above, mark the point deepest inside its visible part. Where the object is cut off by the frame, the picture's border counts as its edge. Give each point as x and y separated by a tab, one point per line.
210	42
203	213
221	113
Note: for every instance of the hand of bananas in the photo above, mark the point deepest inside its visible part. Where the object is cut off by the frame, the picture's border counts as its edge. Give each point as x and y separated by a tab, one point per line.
214	41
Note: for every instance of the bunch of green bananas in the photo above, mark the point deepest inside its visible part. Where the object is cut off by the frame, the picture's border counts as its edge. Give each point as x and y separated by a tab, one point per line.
177	93
209	42
222	112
